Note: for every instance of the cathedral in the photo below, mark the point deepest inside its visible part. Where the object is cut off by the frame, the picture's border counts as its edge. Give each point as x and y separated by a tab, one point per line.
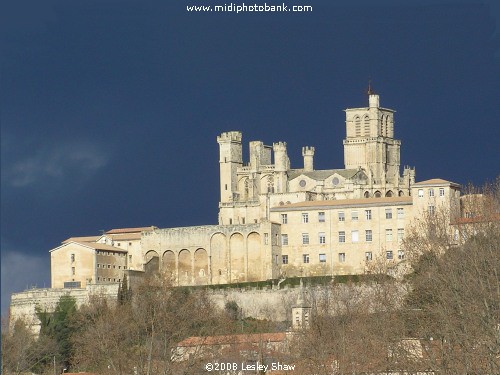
276	221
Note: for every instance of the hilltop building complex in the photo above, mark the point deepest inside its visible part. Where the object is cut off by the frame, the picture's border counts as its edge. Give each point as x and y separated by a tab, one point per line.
276	221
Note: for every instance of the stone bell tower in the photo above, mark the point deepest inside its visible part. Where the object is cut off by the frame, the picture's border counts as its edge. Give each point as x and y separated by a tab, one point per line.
370	142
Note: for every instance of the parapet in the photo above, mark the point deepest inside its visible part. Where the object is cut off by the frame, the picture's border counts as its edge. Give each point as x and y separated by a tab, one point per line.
232	136
307	151
279	146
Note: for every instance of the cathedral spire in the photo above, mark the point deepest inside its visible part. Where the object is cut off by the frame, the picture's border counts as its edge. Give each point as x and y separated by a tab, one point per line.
370	91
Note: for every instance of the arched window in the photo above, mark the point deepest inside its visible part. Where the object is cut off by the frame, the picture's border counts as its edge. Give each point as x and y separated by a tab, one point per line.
357	126
270	184
389	193
366	126
378	194
401	193
246	188
367	194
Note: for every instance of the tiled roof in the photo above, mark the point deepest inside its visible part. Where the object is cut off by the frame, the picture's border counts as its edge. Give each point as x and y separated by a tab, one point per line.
101	246
435	181
363	202
477	219
233	339
130	230
82	239
126	236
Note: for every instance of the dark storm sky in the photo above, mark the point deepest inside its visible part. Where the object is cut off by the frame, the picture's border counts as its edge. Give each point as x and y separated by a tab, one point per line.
110	109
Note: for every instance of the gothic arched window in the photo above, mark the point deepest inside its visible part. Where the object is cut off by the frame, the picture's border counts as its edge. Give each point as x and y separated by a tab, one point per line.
357	126
367	126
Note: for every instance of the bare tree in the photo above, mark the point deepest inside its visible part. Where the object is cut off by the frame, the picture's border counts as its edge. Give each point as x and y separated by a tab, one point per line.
455	301
22	351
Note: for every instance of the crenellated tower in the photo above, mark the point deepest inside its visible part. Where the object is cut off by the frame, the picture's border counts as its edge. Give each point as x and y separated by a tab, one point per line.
281	166
230	158
308	155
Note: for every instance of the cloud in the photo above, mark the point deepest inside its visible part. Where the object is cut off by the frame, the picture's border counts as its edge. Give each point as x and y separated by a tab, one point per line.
21	271
53	163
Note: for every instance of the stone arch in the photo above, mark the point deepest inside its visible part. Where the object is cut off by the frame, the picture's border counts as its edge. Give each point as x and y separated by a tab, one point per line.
218	258
366	126
389	193
185	275
151	261
201	267
367	194
168	265
357	126
237	251
377	194
401	193
255	264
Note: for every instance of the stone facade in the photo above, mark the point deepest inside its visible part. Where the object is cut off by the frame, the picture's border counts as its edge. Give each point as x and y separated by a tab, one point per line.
277	221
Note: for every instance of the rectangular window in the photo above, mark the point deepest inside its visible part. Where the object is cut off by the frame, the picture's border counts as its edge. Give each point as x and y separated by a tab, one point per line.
342	236
420	193
242	220
73	271
401	254
368	236
354	236
73	284
284	218
389	254
305	218
431	192
368	214
401	234
305	238
284	259
441	192
431	209
266	238
284	239
341	257
341	216
322	258
322	238
72	258
368	256
388	235
388	213
354	215
401	213
321	217
305	258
